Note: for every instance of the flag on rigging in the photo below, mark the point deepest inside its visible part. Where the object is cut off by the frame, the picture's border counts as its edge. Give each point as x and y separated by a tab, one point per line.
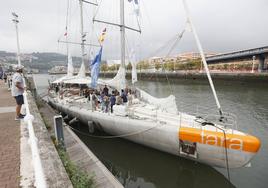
95	69
103	34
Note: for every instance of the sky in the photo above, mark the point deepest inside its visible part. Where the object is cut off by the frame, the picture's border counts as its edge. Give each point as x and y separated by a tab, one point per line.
222	26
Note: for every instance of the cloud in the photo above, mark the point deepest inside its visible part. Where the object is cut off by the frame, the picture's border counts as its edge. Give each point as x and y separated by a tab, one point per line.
222	25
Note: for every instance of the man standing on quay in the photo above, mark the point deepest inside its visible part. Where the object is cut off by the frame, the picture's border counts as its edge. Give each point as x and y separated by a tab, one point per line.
17	90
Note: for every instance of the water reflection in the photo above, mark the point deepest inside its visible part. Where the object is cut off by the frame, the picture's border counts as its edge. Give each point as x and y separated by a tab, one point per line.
138	166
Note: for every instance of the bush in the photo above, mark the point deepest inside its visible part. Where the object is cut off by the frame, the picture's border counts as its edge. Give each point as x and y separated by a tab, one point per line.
78	178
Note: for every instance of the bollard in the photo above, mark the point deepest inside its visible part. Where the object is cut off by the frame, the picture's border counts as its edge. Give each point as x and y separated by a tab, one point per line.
58	127
91	127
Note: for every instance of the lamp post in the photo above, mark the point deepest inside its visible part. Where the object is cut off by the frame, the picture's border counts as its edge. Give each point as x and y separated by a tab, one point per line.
253	63
16	21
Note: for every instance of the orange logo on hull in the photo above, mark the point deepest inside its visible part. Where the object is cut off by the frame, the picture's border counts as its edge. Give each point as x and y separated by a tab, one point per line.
233	141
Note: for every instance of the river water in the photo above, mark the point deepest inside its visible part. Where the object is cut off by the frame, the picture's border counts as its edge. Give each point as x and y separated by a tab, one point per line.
136	166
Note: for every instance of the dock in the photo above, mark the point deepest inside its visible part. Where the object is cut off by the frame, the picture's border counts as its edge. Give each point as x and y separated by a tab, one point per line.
17	161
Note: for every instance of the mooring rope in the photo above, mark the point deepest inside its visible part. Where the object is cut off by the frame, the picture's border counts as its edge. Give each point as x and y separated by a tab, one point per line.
116	136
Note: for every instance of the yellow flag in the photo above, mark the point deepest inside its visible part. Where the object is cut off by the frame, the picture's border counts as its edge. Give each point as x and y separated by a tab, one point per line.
101	39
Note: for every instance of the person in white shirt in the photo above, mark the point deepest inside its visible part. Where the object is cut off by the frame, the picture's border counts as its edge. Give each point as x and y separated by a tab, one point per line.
17	90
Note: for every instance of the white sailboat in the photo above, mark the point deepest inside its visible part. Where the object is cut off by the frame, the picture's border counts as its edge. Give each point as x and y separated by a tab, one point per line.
158	123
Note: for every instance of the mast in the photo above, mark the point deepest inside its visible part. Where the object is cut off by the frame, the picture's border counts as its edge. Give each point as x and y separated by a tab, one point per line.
123	43
189	20
66	38
82	71
16	21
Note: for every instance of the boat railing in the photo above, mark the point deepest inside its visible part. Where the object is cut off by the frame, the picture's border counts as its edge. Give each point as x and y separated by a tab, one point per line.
226	120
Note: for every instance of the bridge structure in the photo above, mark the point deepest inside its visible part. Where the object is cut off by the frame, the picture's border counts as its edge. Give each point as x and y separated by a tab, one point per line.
258	56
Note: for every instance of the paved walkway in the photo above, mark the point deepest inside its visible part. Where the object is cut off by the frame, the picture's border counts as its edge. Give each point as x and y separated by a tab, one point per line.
9	140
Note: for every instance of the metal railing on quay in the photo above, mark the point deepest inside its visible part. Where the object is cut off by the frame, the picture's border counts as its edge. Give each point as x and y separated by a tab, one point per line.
40	181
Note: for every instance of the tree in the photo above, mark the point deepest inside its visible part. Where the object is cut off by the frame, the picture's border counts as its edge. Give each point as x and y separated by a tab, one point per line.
157	65
104	67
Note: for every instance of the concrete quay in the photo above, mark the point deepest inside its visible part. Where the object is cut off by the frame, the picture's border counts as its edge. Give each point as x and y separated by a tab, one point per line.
81	155
16	159
16	164
194	75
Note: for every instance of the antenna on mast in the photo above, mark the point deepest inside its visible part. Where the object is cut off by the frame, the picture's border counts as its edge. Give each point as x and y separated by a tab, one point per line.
16	21
82	71
189	20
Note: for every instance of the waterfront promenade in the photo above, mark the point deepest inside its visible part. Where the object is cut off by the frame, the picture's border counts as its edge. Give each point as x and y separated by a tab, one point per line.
9	140
18	164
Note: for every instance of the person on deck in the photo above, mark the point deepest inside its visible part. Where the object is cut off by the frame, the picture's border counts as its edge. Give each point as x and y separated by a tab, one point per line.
106	90
94	101
57	88
106	103
124	96
129	97
102	102
118	100
17	90
112	100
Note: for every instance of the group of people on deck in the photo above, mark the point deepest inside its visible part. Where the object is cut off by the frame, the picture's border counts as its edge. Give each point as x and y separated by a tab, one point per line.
105	101
101	99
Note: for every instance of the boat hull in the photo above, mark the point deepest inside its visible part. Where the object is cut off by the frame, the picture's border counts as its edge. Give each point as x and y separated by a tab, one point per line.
161	136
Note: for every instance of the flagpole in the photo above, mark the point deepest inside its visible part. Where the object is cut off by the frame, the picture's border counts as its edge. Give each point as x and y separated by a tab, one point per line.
16	21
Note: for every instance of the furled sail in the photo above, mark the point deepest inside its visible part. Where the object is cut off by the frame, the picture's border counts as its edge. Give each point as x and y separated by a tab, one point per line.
133	62
70	69
118	81
167	104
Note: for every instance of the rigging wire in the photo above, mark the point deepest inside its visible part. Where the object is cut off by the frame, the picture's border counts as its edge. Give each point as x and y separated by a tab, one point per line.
67	16
97	10
137	17
226	152
177	39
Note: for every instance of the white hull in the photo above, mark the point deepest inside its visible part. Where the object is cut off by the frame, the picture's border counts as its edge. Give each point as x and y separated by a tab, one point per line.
161	135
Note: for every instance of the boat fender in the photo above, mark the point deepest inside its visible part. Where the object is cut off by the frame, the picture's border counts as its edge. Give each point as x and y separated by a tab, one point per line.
65	118
73	121
91	127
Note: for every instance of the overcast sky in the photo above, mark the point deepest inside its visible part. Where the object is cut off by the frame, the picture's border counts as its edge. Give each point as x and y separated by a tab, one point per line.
222	25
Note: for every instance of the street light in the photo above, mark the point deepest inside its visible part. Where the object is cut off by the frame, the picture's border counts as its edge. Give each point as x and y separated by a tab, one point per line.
16	21
253	63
